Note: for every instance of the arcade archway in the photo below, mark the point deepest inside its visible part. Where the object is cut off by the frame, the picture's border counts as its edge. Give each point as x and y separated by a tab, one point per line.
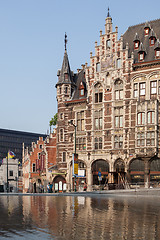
59	184
155	170
101	166
119	173
136	171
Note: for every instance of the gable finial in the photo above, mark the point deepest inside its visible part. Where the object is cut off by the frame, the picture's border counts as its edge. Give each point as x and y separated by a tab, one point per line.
65	41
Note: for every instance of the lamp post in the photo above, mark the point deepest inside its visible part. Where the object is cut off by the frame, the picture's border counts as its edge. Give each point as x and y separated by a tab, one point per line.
7	175
75	129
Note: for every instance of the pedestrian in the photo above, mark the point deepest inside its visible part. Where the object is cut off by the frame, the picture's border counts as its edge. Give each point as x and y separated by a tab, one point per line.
85	187
51	186
48	187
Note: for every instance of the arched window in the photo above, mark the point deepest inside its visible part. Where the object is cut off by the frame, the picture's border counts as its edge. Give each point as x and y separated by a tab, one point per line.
98	93
118	89
141	118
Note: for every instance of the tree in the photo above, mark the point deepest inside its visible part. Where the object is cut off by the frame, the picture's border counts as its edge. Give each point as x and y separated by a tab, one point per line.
53	120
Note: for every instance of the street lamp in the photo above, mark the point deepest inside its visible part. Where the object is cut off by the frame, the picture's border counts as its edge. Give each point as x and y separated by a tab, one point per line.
75	129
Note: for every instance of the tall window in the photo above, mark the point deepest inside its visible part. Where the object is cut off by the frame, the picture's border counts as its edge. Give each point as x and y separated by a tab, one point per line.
118	90
118	63
154	87
98	97
98	93
33	167
118	141
98	120
142	89
11	173
136	90
118	117
81	143
98	143
98	67
61	135
80	121
140	139
150	138
64	157
141	118
108	43
151	117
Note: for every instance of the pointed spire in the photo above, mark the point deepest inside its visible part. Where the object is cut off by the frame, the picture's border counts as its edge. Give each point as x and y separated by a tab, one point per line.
108	14
65	41
65	75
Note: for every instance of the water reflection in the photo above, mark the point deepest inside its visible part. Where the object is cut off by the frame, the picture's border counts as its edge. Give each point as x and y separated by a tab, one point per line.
59	217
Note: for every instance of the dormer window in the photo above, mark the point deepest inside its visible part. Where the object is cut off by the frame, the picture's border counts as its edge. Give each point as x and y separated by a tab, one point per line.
141	56
82	92
136	41
81	89
157	53
146	31
152	41
136	45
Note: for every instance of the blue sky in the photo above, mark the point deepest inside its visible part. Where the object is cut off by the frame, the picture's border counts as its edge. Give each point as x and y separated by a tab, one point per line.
32	49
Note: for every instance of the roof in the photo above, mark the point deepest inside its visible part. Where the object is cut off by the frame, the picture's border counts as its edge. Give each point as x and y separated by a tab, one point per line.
78	78
129	37
65	70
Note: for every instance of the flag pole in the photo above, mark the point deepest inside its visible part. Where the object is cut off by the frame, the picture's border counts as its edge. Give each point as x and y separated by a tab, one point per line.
7	175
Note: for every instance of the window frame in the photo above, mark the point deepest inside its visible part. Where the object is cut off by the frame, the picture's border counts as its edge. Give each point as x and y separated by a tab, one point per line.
118	141
61	135
142	89
98	143
80	121
151	117
140	139
153	87
98	119
33	167
141	118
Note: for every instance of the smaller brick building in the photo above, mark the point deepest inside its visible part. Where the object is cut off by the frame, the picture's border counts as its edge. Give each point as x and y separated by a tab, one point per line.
38	163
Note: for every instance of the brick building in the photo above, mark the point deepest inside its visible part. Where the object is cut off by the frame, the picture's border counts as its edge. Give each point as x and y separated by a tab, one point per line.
113	104
39	164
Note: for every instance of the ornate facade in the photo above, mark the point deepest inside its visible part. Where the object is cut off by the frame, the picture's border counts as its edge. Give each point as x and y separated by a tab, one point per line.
111	107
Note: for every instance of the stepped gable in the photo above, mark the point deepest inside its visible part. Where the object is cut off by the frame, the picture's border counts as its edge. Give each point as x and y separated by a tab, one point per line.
129	37
79	77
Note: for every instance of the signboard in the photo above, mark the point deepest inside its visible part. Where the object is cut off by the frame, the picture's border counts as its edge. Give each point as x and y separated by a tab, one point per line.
75	164
76	168
81	172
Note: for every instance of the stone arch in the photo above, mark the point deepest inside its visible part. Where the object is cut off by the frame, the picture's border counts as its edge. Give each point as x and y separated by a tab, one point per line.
119	165
140	75
154	166
136	170
152	74
81	178
59	184
119	173
102	166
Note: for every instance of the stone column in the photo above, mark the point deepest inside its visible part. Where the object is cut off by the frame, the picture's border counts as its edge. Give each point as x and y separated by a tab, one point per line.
89	179
146	173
